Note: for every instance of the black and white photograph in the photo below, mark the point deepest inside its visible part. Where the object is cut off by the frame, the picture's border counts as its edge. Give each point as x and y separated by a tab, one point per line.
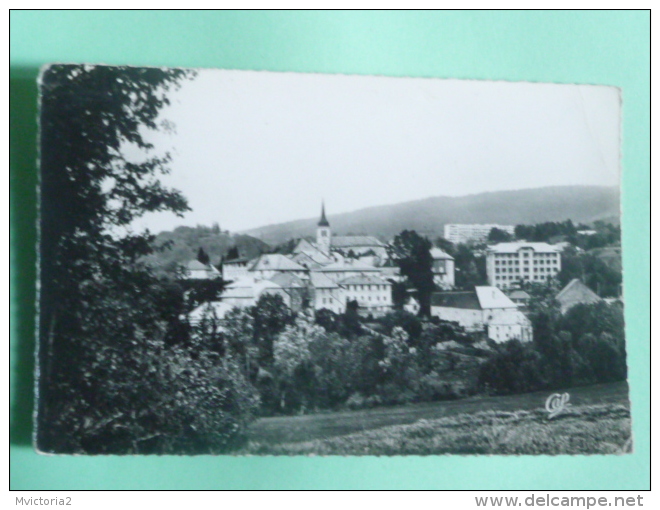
261	263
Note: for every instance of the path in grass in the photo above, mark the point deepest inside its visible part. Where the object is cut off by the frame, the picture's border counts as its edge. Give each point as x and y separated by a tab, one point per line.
291	429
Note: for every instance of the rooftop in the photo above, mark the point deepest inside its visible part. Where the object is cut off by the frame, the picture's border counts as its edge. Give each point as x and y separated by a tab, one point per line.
575	293
287	281
481	298
364	280
492	297
348	267
276	262
463	299
514	247
439	254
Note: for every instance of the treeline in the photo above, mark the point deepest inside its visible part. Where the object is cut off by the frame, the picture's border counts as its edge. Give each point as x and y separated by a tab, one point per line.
600	234
305	363
584	346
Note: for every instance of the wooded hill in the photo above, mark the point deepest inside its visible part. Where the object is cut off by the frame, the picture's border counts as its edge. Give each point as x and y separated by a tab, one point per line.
581	204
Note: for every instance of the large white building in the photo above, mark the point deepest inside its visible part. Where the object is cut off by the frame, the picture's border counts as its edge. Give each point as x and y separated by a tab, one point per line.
475	233
509	264
484	308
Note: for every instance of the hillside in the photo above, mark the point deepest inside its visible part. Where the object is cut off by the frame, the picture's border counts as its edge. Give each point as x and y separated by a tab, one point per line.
185	241
583	204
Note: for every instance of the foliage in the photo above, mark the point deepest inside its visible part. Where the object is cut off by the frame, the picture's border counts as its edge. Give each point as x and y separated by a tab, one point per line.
497	235
411	252
203	257
543	232
592	271
470	270
399	295
446	245
113	377
176	247
270	317
585	346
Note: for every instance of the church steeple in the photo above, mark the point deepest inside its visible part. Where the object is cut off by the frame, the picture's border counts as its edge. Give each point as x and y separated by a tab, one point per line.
323	233
323	222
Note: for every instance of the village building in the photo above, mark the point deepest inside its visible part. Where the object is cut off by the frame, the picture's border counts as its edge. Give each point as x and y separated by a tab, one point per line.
576	293
268	265
296	288
484	308
247	290
328	294
341	270
509	264
443	268
327	246
412	305
372	293
195	270
519	297
235	268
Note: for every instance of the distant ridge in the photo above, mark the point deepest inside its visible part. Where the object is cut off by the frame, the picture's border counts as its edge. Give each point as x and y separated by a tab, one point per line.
428	216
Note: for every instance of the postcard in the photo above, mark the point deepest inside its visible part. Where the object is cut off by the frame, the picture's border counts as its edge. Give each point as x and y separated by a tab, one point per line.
259	263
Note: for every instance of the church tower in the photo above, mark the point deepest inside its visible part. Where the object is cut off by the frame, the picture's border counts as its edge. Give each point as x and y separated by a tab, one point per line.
323	234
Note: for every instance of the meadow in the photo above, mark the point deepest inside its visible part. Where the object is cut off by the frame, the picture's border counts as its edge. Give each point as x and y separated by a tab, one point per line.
597	422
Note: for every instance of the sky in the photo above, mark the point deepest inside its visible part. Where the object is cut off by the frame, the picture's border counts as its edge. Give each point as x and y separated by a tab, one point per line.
256	148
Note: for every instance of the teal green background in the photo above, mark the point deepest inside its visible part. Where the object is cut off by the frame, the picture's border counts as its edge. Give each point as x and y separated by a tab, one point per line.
596	47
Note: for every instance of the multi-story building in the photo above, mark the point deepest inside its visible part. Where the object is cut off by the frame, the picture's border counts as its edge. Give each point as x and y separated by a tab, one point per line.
509	264
372	293
475	233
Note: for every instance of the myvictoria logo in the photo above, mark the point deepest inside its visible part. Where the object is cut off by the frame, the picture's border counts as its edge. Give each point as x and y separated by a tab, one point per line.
556	403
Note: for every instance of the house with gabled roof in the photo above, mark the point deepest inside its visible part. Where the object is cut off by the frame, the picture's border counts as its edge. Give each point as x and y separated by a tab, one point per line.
576	293
483	309
268	265
327	293
443	268
195	270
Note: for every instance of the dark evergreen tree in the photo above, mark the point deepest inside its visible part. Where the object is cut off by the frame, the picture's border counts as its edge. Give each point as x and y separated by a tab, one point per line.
412	253
203	257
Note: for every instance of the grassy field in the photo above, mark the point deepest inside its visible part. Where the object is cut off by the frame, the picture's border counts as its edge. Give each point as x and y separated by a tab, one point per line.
598	421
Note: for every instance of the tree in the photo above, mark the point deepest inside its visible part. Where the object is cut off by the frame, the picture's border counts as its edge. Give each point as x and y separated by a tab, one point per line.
470	270
412	253
446	245
103	319
270	315
203	257
497	235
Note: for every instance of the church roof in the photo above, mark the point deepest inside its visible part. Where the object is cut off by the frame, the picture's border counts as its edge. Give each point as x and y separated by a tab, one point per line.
323	222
